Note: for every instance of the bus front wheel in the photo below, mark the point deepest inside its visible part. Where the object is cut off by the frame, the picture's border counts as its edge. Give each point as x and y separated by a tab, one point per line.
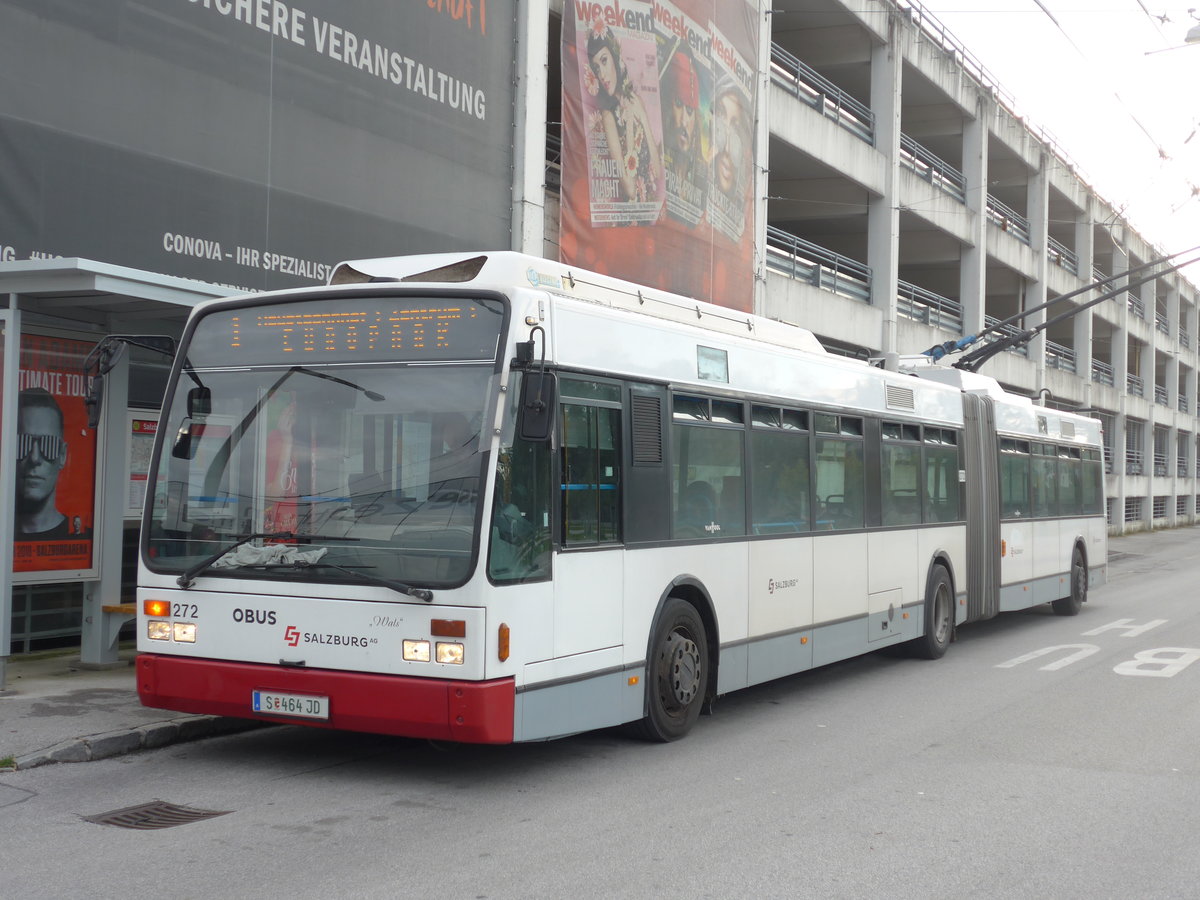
676	673
939	616
1073	602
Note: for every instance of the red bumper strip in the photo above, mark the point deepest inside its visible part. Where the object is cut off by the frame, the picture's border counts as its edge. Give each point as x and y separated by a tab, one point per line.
478	712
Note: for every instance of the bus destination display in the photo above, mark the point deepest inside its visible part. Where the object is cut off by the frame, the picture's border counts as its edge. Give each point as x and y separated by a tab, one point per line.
367	330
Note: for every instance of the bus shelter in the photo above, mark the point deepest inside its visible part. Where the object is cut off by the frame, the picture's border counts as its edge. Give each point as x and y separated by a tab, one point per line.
75	492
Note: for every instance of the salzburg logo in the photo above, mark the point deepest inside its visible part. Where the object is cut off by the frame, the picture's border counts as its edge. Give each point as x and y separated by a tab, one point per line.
291	636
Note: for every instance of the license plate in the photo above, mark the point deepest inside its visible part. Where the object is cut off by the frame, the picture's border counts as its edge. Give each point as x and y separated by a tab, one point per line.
303	706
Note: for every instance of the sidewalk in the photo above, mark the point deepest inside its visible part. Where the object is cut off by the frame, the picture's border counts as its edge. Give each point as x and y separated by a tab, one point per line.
54	711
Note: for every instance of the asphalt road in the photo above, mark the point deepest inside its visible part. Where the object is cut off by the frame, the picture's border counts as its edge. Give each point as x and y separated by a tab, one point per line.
1042	757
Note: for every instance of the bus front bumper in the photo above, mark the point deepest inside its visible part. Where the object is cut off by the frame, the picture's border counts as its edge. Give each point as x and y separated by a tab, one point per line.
478	712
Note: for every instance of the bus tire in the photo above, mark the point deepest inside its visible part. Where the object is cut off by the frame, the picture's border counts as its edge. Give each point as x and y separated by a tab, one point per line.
676	673
939	616
1073	602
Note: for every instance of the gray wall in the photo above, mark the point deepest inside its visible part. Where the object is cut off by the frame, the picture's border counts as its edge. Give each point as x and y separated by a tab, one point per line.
198	137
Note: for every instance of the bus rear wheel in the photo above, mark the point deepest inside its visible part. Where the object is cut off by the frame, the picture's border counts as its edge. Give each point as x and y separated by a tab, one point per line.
676	673
939	616
1073	602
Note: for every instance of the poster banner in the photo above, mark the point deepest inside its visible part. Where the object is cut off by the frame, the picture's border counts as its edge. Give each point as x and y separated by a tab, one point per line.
254	143
54	504
143	426
659	105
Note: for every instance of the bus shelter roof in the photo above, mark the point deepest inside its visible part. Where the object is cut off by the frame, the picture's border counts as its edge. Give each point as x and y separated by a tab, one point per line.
90	295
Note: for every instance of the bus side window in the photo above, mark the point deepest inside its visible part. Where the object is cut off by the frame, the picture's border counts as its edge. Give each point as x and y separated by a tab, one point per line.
1070	487
590	473
1014	480
707	473
840	484
1044	482
1092	487
519	549
901	465
941	476
780	498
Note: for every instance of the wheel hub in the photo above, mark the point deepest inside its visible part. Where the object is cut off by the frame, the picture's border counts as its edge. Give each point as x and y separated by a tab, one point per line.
682	668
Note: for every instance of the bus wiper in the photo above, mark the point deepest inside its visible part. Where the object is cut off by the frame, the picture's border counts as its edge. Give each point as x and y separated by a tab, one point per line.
188	578
401	587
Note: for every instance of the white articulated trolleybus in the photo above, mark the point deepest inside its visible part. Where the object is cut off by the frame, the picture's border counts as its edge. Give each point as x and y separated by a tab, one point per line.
491	498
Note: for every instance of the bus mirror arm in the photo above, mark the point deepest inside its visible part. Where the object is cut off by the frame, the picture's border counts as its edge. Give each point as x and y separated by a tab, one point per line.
105	355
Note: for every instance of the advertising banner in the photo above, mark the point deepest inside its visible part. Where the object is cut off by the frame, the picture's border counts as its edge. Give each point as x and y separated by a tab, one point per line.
56	459
254	143
659	105
143	426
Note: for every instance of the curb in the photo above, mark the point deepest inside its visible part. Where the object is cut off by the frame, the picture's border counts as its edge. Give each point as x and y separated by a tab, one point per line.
146	737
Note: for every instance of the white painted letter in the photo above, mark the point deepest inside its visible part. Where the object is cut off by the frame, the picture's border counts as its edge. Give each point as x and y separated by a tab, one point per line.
1082	651
1125	626
1150	664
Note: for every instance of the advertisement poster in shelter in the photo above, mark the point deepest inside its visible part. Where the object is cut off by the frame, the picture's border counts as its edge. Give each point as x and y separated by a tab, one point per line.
659	103
55	498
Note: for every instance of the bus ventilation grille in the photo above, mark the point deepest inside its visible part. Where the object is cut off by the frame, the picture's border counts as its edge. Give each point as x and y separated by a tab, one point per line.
153	815
1067	429
647	430
900	397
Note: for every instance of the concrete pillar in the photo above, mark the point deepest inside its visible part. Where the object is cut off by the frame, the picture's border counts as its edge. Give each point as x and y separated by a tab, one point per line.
1120	338
762	162
883	214
972	273
1085	249
1171	374
1173	316
1038	199
529	142
1147	369
1119	476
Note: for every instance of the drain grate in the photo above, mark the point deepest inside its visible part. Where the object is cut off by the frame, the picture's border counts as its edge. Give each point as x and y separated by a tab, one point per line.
156	814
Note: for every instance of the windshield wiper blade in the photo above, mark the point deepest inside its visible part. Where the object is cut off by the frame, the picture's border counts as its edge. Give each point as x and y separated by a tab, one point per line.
188	577
399	586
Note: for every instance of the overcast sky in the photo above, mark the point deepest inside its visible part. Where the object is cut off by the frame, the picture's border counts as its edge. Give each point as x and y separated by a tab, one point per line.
1082	70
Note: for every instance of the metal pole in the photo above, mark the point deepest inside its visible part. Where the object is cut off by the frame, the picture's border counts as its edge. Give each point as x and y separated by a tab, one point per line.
97	647
10	345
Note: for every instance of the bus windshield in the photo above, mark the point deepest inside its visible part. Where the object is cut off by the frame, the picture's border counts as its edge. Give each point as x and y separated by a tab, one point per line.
349	469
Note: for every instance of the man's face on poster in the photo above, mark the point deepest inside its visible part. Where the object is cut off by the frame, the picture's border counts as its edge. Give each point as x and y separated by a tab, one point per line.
729	138
683	121
41	455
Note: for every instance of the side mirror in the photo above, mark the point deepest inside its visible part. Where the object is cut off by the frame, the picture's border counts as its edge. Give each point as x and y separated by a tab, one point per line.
93	399
539	396
199	402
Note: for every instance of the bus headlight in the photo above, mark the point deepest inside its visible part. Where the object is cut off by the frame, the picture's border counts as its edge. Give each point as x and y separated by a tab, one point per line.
158	630
450	653
184	632
417	651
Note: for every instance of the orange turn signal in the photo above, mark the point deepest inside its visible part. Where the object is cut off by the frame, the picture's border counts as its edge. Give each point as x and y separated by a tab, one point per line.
448	628
502	638
156	608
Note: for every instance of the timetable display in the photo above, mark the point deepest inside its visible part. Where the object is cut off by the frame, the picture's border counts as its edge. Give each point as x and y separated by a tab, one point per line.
374	329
